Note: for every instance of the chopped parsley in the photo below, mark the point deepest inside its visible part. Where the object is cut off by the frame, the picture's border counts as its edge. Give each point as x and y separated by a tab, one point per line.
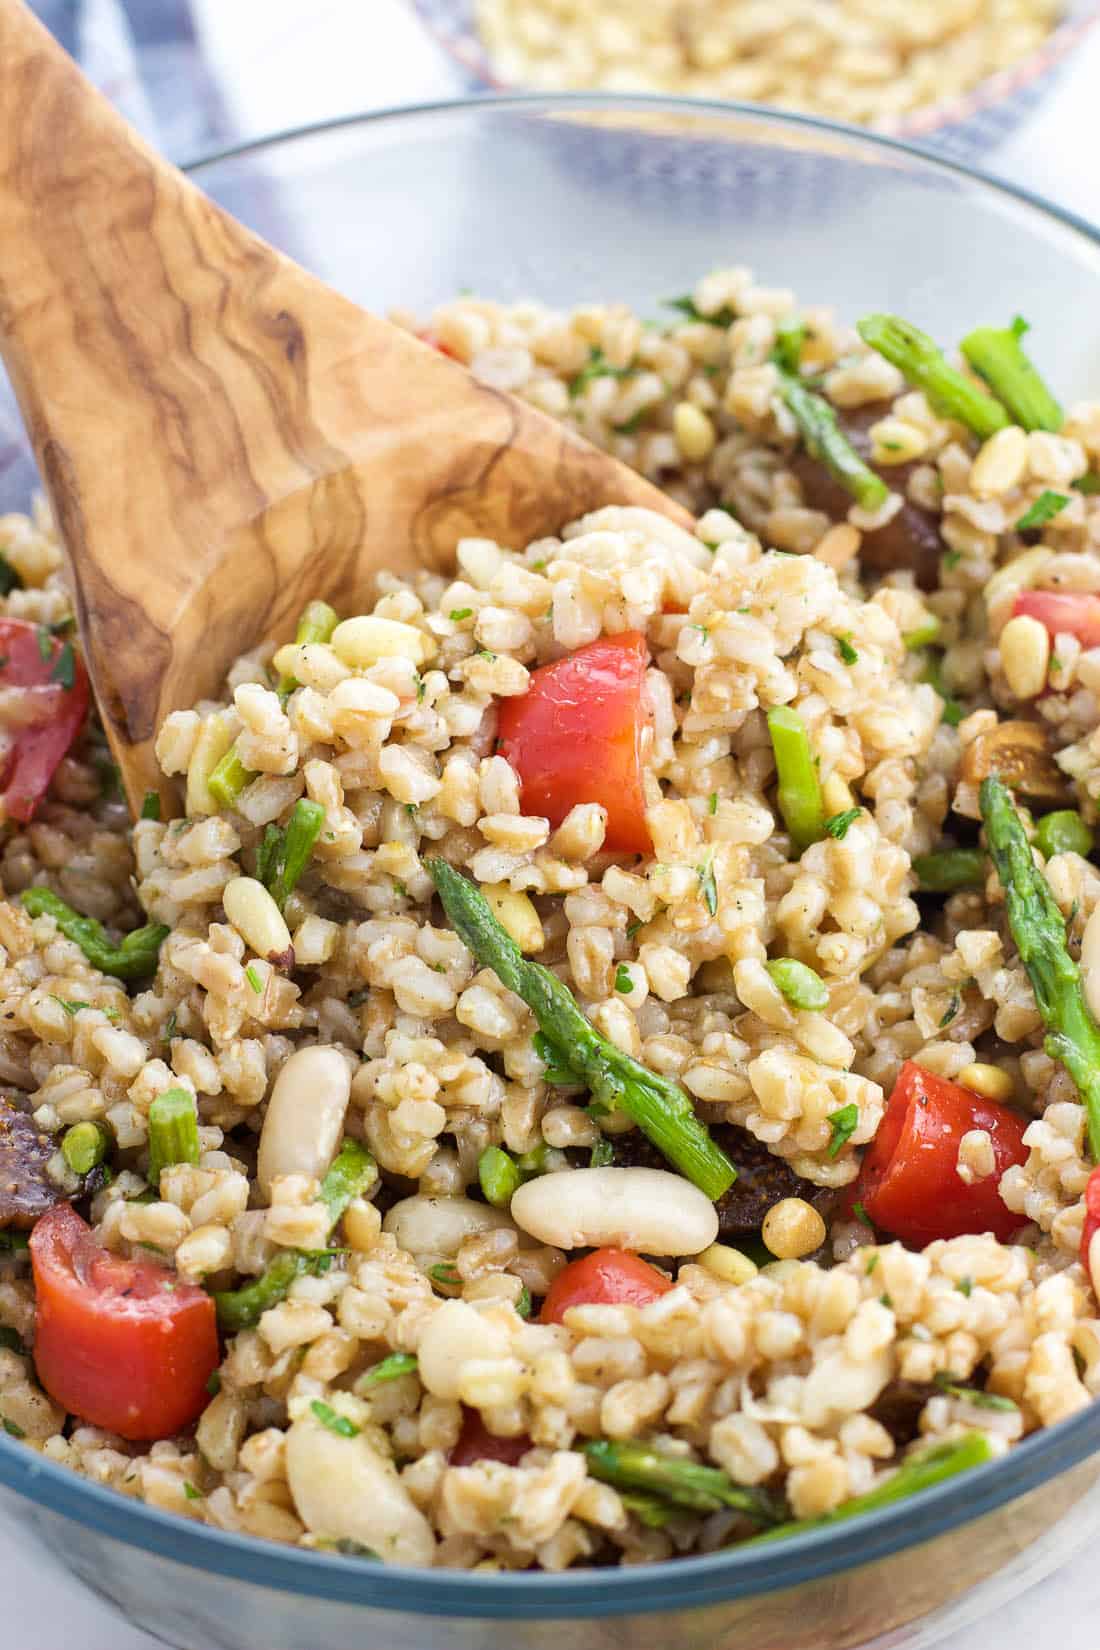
872	1262
170	1027
965	1286
597	366
843	1124
333	1420
460	613
71	1007
445	1274
633	927
523	1304
64	667
837	825
951	1010
708	887
712	803
623	982
1046	507
389	1369
723	317
632	425
399	888
13	1430
191	1492
846	650
150	805
253	978
861	1215
214	1383
483	653
952	558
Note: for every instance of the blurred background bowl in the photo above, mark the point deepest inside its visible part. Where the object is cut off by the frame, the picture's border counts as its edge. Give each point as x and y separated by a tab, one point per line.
963	128
570	200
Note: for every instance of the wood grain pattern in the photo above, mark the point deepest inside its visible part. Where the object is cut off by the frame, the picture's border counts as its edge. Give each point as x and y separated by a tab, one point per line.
222	436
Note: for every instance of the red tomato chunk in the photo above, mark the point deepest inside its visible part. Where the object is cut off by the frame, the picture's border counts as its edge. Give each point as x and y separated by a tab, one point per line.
909	1183
44	718
1092	1217
606	1277
123	1344
1064	612
578	735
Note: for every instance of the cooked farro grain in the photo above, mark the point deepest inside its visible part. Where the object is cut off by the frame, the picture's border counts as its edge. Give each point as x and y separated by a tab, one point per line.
325	1107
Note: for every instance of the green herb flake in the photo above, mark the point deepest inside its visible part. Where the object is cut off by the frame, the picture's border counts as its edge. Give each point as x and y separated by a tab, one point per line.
965	1286
400	889
632	425
389	1369
837	825
333	1420
861	1215
44	637
1088	484
872	1262
524	1304
955	1388
13	1430
191	1492
457	614
723	317
952	558
846	650
633	928
708	887
1046	507
251	974
597	366
169	1028
887	1301
64	667
712	803
444	1274
150	805
214	1383
72	1006
843	1124
623	982
951	1010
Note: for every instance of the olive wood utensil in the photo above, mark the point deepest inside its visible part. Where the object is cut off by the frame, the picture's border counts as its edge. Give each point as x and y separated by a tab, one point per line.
222	436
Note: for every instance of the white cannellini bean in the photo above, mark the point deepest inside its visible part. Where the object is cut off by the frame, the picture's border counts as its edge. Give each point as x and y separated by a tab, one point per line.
258	920
649	1210
305	1116
453	1335
1090	961
345	1490
440	1225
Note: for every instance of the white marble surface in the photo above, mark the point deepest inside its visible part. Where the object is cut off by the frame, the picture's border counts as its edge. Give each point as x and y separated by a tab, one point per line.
295	61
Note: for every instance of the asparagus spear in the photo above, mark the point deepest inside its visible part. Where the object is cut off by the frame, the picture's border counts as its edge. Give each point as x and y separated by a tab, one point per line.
352	1174
243	1308
799	794
134	958
997	354
284	855
317	623
826	441
924	364
228	778
683	1483
1040	934
173	1132
919	1471
950	870
84	1146
659	1107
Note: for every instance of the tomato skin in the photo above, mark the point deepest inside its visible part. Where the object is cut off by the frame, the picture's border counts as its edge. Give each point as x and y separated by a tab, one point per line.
1092	1217
477	1443
576	735
123	1344
1063	612
908	1182
38	748
606	1277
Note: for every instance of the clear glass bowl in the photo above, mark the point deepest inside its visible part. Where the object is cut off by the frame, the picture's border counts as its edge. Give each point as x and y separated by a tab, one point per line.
597	198
963	127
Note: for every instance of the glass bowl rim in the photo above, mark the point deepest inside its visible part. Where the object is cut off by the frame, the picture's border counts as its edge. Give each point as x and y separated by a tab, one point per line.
682	1583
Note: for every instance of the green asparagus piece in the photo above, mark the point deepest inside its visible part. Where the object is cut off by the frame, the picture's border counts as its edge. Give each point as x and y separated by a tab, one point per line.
659	1107
825	440
229	778
387	1369
173	1132
790	335
85	1146
924	364
919	1471
1063	832
649	1510
243	1308
799	790
683	1483
317	623
950	870
803	987
997	354
134	958
500	1176
1040	934
352	1175
284	857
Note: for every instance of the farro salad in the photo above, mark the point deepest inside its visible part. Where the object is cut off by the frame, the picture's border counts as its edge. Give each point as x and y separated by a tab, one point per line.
603	1065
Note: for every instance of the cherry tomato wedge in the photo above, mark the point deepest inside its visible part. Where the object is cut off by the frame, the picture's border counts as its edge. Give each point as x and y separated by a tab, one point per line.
45	717
124	1344
578	735
1092	1217
1064	612
606	1277
477	1443
909	1183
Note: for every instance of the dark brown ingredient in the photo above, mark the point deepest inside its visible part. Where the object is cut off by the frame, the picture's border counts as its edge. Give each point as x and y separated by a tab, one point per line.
26	1190
898	1408
910	539
762	1178
1020	753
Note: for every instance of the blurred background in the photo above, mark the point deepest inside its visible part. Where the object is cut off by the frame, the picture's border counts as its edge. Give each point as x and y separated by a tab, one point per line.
1010	86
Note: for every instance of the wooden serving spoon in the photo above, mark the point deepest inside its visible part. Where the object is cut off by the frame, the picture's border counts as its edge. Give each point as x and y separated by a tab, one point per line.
223	437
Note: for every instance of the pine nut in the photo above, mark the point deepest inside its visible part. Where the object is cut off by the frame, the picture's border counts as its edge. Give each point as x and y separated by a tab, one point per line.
361	642
516	915
343	1489
793	1228
989	1081
258	920
648	1210
214	739
305	1116
728	1264
1000	464
1025	655
1003	586
694	432
896	441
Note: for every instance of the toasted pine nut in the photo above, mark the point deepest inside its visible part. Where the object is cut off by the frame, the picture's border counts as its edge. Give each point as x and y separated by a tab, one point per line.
516	915
1025	655
989	1081
214	739
694	432
721	1261
1001	463
258	920
897	441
